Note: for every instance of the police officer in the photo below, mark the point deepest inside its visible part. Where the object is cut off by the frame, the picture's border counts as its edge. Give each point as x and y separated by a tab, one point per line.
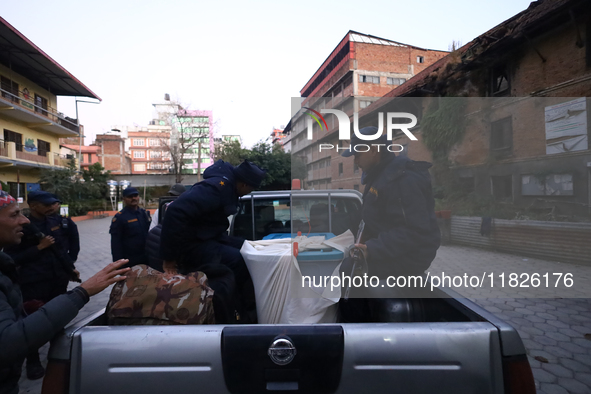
70	228
129	230
45	260
194	229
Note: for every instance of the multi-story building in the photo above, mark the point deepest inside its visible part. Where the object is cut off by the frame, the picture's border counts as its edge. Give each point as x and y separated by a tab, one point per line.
277	135
149	149
358	71
30	123
525	140
195	142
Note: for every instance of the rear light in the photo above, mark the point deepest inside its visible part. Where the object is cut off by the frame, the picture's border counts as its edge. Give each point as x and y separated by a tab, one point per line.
517	375
57	376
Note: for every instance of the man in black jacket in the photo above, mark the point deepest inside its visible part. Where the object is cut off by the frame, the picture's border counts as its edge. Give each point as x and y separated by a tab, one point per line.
194	229
20	335
45	259
400	235
129	230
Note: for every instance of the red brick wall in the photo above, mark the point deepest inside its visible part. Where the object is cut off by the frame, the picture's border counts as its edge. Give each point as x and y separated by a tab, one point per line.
112	153
393	59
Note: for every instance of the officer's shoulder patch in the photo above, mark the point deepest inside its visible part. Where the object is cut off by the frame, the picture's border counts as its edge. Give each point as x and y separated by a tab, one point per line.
114	219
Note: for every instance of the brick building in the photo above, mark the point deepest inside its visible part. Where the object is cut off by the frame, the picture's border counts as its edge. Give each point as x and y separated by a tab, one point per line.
149	149
111	154
87	155
360	70
525	139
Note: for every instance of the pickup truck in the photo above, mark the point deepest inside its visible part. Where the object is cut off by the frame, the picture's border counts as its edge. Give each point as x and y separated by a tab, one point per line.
451	346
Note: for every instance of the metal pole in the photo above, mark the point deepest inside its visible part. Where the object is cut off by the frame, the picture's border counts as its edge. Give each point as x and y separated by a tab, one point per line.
79	132
79	138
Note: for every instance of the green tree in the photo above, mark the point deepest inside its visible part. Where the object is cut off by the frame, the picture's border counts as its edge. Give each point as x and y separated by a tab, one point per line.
230	152
81	192
281	166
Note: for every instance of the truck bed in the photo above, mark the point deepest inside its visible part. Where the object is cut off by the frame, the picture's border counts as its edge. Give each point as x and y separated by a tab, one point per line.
457	348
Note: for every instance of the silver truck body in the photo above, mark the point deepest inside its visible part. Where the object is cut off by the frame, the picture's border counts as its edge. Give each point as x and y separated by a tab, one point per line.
458	347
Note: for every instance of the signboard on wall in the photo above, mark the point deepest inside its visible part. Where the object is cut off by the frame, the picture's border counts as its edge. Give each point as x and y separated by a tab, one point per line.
548	185
566	126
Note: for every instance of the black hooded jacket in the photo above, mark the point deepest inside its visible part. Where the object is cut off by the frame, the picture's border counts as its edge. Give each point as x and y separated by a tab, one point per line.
401	231
200	214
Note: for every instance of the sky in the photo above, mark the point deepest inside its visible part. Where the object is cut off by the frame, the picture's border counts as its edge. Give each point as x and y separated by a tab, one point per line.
244	60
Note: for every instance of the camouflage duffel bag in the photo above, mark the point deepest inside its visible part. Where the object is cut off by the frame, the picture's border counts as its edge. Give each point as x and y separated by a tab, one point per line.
147	297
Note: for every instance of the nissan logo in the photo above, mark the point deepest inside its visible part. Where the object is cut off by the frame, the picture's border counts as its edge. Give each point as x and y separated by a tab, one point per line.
282	351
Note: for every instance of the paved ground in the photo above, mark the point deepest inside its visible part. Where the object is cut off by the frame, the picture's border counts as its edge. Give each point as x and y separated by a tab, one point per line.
555	330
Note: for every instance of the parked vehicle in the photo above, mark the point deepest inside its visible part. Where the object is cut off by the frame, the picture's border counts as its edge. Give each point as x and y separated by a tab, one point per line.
439	345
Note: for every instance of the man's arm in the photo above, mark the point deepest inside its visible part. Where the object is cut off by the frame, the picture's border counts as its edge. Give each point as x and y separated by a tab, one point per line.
20	336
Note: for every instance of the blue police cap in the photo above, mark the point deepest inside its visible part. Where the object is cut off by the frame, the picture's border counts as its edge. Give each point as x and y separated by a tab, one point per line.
130	191
370	130
250	173
42	197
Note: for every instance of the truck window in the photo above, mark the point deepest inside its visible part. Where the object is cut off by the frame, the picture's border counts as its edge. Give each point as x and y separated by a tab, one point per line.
306	214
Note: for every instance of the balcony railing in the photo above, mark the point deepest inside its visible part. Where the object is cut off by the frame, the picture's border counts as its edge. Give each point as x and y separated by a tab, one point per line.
15	151
25	100
38	156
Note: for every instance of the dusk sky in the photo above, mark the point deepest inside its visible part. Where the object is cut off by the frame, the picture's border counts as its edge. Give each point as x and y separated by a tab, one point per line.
242	60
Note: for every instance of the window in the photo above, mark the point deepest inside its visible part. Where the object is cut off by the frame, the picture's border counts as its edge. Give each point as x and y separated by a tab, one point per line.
355	168
9	89
502	187
321	164
139	167
369	79
154	142
40	104
155	155
90	157
17	138
501	135
420	59
395	81
364	104
138	142
340	169
139	154
500	81
356	187
43	147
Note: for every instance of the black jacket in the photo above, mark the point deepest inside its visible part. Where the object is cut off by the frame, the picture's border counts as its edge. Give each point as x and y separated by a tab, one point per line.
55	262
129	230
401	231
200	214
20	335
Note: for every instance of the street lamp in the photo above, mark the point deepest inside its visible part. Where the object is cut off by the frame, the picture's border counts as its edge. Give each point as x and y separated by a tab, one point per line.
79	132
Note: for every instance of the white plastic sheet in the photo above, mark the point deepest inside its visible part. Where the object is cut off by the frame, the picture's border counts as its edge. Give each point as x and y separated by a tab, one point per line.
277	279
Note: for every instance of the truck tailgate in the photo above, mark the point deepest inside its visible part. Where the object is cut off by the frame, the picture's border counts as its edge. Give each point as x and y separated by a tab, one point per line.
378	357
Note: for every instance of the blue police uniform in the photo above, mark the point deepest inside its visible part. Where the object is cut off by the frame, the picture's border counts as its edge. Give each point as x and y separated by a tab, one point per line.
129	230
194	227
44	274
